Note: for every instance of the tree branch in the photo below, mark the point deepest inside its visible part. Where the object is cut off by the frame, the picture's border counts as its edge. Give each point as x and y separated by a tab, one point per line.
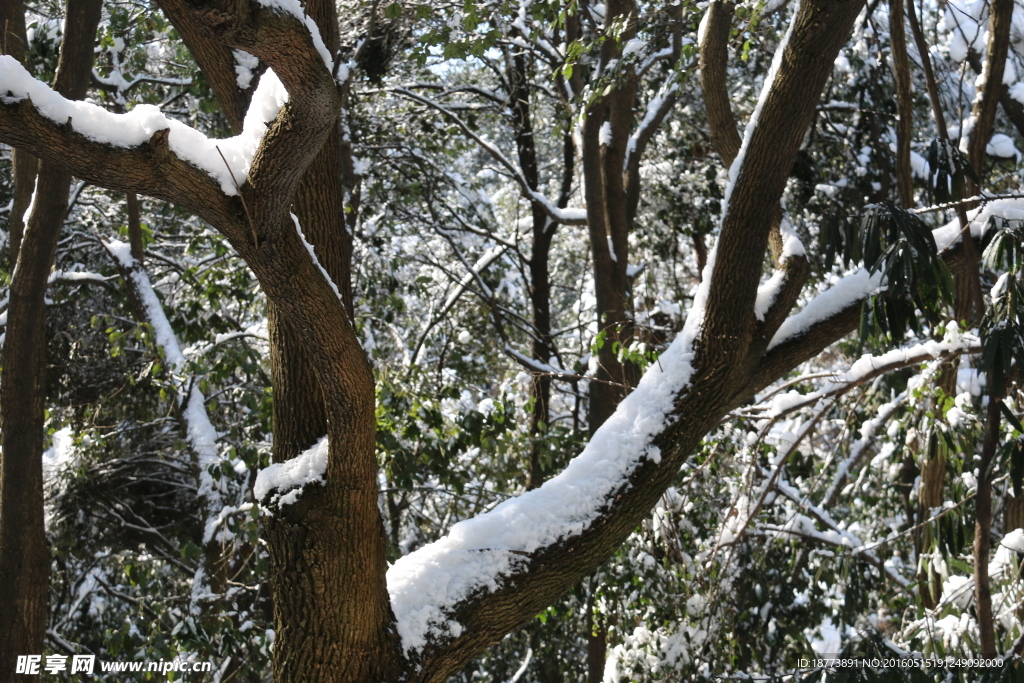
758	176
714	57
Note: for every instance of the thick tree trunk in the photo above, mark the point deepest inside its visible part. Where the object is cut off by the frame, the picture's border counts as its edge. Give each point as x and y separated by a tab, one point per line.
327	552
24	556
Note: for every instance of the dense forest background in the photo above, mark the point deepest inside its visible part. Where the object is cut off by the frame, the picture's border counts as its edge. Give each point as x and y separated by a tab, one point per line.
516	267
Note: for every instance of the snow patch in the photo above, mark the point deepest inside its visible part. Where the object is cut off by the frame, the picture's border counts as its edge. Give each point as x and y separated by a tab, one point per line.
292	476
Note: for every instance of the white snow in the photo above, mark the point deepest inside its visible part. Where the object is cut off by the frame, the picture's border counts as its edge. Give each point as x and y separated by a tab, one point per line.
767	293
289	478
653	107
864	367
245	64
312	255
294	8
138	125
1010	209
200	431
848	291
571	214
58	454
1001	145
1014	541
634	45
1017	92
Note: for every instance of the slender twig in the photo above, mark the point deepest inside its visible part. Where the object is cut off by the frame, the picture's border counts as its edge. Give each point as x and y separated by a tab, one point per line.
245	207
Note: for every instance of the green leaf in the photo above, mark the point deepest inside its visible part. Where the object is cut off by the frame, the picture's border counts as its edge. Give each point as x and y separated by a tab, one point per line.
1010	417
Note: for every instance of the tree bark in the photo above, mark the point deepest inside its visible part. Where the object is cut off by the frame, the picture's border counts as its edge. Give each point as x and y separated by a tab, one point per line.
968	285
986	103
24	555
135	226
543	231
1013	109
714	59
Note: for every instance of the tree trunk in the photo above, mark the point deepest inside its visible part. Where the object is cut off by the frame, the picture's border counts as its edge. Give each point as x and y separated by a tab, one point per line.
541	347
24	555
904	103
606	130
983	526
13	41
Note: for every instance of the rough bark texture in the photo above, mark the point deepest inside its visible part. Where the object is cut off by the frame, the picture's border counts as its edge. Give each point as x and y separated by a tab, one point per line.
328	552
1013	517
24	555
216	61
714	58
819	29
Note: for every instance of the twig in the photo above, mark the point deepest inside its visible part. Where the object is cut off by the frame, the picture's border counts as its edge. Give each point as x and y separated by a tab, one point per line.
245	207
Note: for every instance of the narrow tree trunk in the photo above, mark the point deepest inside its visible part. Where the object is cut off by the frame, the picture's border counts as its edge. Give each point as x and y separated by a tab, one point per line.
983	527
13	41
968	283
930	495
543	230
606	132
135	227
1013	517
985	106
24	556
714	60
904	103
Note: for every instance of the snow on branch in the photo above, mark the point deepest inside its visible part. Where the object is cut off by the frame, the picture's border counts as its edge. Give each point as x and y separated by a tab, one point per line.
295	9
138	126
861	284
867	367
478	555
290	478
657	109
201	435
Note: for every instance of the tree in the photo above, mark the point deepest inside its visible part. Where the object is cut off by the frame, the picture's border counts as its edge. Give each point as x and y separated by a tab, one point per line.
335	600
